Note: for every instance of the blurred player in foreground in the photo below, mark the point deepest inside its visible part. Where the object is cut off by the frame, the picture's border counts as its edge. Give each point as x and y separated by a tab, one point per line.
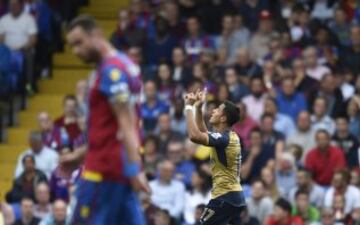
105	194
227	201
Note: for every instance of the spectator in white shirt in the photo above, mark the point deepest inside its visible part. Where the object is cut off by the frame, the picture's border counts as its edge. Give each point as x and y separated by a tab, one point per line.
319	119
46	158
255	101
17	29
200	194
340	185
167	192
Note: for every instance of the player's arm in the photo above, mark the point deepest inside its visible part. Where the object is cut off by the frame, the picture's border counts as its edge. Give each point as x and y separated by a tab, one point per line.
195	134
199	118
75	157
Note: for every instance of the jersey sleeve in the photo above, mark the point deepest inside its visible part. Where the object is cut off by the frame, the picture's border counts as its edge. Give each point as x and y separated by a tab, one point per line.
218	140
114	84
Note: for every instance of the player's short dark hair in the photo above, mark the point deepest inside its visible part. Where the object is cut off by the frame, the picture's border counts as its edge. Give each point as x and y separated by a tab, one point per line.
301	192
232	113
284	204
201	207
85	22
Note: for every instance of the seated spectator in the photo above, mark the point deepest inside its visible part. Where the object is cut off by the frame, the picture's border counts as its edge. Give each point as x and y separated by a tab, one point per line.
354	218
42	197
183	168
330	91
195	41
81	96
353	112
289	101
151	156
320	120
126	33
313	68
167	192
272	189
347	142
350	56
237	89
327	217
340	186
244	66
273	141
304	135
26	183
246	219
304	209
283	123
297	152
282	214
178	121
254	102
343	78
230	38
305	182
46	158
181	73
200	194
58	216
285	172
166	87
340	26
201	72
324	159
338	206
27	213
303	82
244	127
53	137
165	133
159	48
255	157
173	15
259	205
7	216
163	217
152	107
259	43
69	119
355	178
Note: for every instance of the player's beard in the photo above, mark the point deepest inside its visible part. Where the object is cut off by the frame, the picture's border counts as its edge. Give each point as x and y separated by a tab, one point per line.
92	56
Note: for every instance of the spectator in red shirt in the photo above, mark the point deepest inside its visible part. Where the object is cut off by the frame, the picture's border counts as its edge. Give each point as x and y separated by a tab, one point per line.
324	159
282	215
69	119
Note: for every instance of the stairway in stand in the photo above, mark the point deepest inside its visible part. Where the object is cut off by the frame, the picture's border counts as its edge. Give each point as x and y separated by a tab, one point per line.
67	71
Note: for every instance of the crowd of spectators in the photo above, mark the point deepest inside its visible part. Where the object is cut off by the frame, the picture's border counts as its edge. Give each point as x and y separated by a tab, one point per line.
292	67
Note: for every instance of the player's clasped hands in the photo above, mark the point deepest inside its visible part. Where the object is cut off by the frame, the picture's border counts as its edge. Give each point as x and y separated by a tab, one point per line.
198	98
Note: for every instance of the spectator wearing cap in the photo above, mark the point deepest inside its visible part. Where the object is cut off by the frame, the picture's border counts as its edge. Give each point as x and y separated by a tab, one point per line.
304	135
340	186
42	197
245	66
58	216
195	41
285	172
27	213
159	48
347	142
53	137
230	38
69	118
126	33
350	56
152	107
289	101
329	90
340	26
167	192
259	43
305	182
254	102
313	68
303	208
26	183
259	205
46	158
324	159
244	127
282	215
181	73
320	120
283	123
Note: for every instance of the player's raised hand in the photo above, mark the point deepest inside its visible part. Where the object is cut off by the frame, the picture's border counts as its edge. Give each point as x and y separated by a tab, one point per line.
200	98
190	99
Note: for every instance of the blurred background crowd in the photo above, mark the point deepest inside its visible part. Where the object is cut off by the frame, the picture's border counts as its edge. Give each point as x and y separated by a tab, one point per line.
292	67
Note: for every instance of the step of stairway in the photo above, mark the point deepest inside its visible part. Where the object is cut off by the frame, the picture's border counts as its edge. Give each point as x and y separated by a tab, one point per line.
56	87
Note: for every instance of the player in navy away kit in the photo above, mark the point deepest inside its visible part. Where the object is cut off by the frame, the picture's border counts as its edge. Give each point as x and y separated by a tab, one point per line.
105	194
